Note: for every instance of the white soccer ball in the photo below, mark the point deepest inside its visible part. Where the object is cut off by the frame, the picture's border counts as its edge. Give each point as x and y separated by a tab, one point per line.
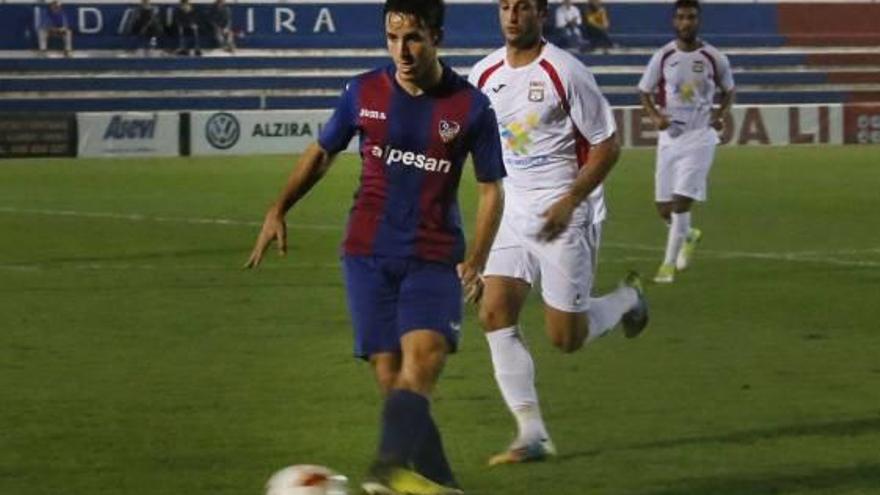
305	479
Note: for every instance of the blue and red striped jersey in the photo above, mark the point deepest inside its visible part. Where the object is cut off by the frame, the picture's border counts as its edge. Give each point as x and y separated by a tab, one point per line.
413	149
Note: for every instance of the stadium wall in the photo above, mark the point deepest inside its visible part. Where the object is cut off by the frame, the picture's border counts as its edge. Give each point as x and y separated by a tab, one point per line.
290	131
254	132
345	24
25	135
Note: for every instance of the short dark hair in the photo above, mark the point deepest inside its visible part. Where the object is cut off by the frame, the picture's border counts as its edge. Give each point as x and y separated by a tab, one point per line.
687	4
428	12
542	5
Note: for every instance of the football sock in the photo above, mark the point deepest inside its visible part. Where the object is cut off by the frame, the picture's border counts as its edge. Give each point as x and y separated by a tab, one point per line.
430	459
406	421
605	312
681	223
515	375
530	423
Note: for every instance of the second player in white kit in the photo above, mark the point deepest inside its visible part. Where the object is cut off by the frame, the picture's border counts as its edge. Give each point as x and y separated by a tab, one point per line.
678	90
558	141
537	106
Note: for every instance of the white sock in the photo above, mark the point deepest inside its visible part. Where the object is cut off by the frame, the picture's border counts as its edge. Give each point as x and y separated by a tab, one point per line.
681	224
515	375
605	312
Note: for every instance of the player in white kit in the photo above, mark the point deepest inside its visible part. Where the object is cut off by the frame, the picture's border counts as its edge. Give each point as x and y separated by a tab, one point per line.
558	141
678	90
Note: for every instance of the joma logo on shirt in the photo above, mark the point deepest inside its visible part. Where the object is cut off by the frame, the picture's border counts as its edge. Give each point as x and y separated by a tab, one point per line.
372	114
394	156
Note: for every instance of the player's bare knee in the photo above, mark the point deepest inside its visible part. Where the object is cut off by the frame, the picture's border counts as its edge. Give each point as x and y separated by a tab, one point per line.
566	342
386	367
493	317
503	298
567	330
664	209
487	316
566	338
420	374
428	360
386	381
682	204
423	358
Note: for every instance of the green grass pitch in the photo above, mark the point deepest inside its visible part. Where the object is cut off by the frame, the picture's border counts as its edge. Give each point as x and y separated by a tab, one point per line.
138	358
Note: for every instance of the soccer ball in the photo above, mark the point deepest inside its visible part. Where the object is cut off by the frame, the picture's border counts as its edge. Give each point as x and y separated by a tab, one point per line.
305	479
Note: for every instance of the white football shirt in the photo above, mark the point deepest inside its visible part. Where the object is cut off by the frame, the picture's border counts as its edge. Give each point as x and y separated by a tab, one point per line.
548	112
684	84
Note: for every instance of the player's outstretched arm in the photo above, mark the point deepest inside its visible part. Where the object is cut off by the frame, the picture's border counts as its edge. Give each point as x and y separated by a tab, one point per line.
312	165
601	159
489	211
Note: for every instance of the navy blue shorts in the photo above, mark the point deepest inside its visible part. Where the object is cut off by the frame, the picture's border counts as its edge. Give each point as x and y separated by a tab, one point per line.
388	297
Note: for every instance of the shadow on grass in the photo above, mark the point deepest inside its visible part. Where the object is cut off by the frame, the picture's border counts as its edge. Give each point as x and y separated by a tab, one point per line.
864	476
835	428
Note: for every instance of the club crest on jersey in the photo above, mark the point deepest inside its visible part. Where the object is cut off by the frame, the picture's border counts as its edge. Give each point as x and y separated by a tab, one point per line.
448	130
698	66
536	91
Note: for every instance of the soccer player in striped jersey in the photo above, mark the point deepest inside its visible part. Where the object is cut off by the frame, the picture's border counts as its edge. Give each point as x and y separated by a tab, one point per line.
558	141
678	91
404	251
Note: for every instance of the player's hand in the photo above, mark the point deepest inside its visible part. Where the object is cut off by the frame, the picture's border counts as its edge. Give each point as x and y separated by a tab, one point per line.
471	282
661	122
717	123
274	229
557	218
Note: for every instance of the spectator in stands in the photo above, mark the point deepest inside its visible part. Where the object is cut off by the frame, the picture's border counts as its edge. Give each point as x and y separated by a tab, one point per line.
597	25
186	20
220	18
568	25
147	25
53	23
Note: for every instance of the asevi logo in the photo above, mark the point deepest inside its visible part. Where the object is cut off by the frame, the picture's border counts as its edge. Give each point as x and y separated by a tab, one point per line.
122	128
222	130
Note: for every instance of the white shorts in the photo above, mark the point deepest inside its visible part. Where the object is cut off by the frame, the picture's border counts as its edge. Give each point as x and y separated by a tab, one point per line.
565	267
682	171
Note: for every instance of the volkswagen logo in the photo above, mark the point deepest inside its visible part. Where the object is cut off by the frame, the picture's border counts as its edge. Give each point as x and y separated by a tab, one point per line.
222	130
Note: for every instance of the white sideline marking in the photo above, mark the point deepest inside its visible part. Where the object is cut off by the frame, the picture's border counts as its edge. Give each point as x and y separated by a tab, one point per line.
50	266
137	217
821	257
796	257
